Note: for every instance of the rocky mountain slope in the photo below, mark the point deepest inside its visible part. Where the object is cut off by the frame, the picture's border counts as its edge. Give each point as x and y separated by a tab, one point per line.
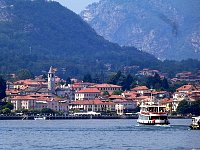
39	34
168	29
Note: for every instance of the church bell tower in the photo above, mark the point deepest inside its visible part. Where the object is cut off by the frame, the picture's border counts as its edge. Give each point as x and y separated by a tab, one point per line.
51	80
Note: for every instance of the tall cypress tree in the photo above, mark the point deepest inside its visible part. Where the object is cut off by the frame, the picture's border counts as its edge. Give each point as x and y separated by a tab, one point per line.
126	85
183	107
2	88
115	79
165	84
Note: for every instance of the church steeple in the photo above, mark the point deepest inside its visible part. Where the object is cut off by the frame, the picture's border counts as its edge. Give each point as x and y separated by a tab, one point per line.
51	80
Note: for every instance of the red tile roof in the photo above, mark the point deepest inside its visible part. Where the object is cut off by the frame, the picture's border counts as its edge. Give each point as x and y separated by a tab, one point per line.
143	97
139	88
39	95
166	100
77	86
104	85
23	98
29	82
120	101
130	95
83	83
185	88
89	90
43	99
116	97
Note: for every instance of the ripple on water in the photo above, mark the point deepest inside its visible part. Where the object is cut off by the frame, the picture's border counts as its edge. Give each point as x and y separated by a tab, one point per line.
96	134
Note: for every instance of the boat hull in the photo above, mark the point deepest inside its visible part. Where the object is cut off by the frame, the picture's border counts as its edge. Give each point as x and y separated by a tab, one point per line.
40	118
153	122
194	127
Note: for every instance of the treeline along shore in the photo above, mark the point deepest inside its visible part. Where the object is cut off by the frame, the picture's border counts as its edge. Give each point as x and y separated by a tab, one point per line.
66	117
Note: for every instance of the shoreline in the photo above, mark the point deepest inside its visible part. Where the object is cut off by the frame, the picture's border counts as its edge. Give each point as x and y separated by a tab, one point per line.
66	117
81	117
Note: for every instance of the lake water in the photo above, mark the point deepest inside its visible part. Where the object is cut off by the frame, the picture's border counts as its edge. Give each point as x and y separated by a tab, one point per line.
92	134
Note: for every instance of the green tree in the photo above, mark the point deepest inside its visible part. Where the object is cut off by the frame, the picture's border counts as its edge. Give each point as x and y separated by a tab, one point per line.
165	84
105	93
68	81
154	82
47	111
9	105
33	111
24	74
62	82
183	107
195	107
2	88
87	78
6	111
24	111
115	79
127	82
174	86
117	92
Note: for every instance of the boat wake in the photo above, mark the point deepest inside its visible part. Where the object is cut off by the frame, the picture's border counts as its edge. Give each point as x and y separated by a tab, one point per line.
137	125
160	125
156	125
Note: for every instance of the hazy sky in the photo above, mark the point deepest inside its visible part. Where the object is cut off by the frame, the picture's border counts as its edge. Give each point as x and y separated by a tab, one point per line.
76	5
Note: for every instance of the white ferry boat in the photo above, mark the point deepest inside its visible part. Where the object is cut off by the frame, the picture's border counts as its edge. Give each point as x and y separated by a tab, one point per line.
195	123
152	114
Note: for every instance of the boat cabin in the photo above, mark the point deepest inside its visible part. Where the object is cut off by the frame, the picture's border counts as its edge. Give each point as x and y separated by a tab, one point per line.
153	109
153	114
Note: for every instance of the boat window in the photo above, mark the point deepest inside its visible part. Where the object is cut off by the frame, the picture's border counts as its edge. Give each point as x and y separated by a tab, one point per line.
150	109
156	109
162	109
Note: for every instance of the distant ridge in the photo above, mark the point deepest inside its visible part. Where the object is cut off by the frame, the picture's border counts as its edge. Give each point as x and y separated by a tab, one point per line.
168	29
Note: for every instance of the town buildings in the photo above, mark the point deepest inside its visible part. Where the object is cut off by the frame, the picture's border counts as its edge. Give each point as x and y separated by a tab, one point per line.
87	94
38	93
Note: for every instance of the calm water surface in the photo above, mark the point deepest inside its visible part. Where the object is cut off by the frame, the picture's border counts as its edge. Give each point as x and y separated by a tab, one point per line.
96	134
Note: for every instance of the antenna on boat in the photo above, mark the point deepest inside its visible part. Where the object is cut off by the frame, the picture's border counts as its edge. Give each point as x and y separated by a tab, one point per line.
151	90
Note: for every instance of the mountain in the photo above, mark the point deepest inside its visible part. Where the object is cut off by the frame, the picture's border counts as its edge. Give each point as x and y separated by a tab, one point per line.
168	29
37	34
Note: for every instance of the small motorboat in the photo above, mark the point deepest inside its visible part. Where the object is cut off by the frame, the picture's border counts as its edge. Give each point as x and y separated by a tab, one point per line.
39	118
195	125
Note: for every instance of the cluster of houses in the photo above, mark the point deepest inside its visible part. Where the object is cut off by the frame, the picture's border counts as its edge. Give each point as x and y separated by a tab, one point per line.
182	76
37	94
188	76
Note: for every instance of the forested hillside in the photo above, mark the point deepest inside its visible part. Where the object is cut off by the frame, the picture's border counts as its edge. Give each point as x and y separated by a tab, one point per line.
38	34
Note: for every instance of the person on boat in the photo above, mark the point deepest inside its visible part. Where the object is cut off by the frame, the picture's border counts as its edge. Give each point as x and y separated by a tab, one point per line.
153	121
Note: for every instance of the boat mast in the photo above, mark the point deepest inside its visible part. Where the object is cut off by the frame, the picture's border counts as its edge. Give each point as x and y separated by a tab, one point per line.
151	98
